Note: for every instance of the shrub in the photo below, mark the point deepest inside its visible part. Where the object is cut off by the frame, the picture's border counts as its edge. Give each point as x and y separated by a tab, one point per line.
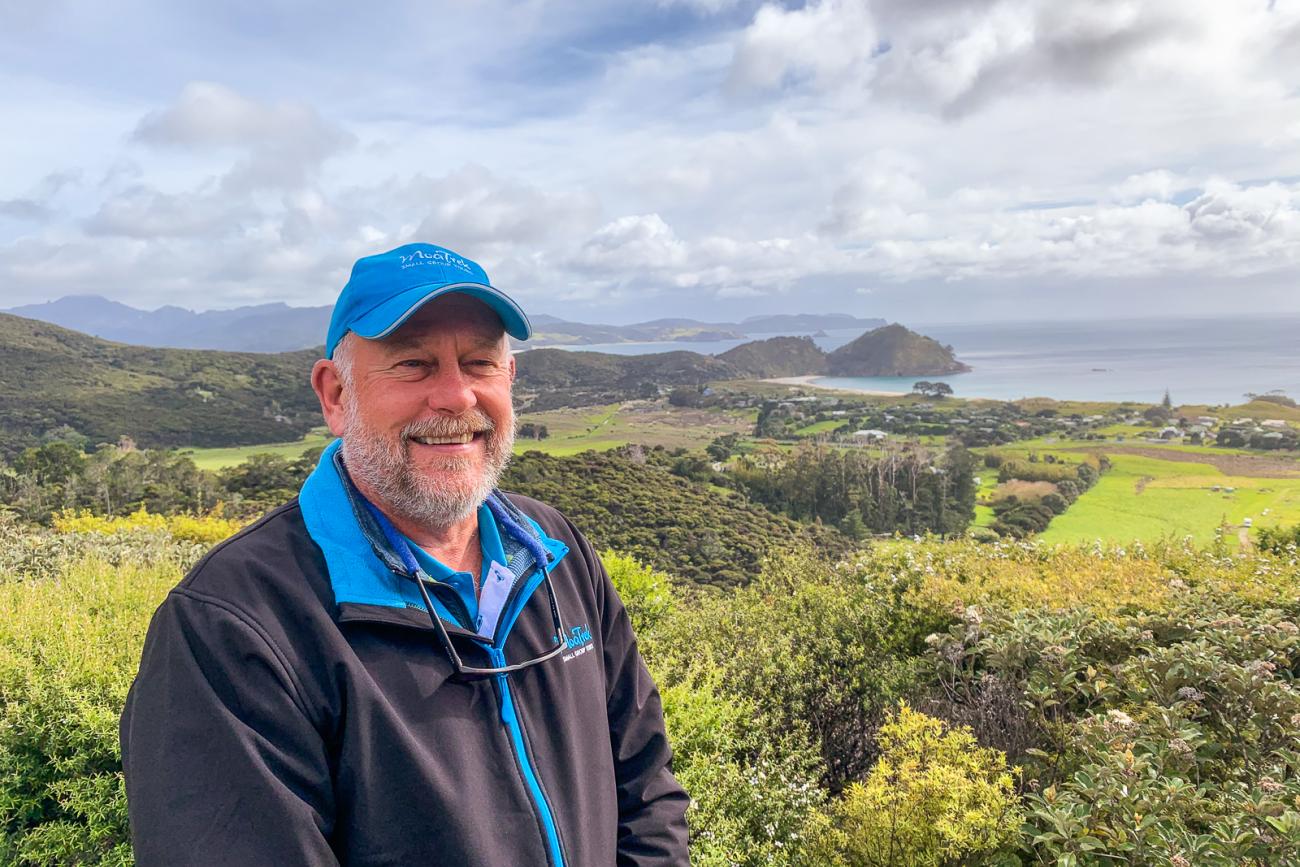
68	650
752	790
648	595
1156	736
935	798
1279	540
210	528
824	654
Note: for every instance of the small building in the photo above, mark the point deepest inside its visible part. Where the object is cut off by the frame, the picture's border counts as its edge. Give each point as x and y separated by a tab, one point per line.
1273	423
869	435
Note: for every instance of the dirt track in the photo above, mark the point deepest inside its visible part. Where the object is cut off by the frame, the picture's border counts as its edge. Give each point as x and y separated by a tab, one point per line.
1255	466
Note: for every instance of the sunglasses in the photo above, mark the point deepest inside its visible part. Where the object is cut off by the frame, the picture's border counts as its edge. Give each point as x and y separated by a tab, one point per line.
470	671
411	570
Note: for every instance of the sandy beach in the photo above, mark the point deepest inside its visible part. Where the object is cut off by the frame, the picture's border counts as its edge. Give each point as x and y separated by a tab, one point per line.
808	381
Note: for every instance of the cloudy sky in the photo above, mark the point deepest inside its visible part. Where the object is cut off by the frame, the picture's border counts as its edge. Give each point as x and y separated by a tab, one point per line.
924	160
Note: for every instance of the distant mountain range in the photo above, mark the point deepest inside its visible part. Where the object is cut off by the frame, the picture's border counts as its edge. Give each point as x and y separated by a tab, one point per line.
281	328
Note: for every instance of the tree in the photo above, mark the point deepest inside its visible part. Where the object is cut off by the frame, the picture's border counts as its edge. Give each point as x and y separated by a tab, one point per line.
533	431
1167	403
932	389
685	395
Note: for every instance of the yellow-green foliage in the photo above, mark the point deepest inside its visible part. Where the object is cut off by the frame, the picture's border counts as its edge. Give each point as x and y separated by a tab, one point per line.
193	528
1104	579
647	594
752	789
69	647
935	797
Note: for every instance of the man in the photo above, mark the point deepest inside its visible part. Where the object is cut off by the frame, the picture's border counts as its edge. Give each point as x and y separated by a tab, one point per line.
403	665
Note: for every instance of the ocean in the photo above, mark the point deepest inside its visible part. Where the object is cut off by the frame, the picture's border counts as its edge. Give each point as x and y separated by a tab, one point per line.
1200	361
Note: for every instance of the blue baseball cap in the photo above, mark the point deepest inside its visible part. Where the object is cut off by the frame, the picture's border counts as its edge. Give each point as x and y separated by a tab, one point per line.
385	289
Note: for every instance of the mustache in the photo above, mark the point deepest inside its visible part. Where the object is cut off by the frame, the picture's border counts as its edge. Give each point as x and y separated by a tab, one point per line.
473	421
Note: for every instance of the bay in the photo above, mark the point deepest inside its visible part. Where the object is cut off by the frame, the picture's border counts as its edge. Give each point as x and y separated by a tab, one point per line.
1200	361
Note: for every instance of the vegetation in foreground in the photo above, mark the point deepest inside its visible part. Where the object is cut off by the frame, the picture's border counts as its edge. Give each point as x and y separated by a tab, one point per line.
923	703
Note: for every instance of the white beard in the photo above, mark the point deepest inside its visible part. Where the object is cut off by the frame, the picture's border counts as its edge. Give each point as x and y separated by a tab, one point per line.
448	495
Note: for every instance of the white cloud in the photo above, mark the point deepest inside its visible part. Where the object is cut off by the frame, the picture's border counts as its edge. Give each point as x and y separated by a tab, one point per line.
826	42
632	245
1158	184
284	144
724	164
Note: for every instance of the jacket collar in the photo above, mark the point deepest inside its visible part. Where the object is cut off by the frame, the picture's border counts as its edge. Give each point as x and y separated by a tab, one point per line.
364	569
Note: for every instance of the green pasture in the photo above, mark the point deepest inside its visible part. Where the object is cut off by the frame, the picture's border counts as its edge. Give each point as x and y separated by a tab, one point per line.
1147	498
820	427
1058	445
218	458
984	516
602	428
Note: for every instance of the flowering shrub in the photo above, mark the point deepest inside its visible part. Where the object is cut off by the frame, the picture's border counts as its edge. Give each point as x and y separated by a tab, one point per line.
1151	737
1148	694
208	528
935	797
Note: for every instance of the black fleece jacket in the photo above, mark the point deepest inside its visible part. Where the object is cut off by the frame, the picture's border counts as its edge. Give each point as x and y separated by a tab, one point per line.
269	725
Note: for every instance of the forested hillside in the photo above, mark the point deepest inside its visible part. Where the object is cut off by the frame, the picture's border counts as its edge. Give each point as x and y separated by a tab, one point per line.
893	351
622	499
777	356
51	377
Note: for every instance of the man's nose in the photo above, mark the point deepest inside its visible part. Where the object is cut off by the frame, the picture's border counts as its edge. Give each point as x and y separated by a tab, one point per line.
451	391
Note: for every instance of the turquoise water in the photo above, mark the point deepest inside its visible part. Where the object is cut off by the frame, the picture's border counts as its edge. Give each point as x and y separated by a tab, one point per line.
1199	360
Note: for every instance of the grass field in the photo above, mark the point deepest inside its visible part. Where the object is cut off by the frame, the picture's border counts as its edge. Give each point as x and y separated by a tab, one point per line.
820	427
215	459
578	430
1147	498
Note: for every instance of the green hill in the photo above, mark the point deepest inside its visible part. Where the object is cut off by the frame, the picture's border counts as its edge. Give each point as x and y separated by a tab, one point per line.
777	356
51	377
551	378
621	500
893	351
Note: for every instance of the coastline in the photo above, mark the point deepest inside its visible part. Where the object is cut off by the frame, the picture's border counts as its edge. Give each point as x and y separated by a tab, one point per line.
807	382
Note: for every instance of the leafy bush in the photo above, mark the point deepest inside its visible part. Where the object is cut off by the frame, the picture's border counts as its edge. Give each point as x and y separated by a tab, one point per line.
1148	693
210	528
1155	736
753	791
1279	540
824	654
1037	472
935	797
68	650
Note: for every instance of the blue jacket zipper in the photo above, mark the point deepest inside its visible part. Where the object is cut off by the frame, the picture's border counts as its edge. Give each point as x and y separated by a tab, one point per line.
511	721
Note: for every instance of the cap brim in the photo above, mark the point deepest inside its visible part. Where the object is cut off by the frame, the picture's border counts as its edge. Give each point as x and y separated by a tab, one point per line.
389	316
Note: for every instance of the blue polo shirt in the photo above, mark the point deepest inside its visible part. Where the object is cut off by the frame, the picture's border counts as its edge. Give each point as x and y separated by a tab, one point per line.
489	539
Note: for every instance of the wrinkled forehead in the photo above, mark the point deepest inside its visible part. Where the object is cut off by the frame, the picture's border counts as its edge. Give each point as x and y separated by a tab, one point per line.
458	317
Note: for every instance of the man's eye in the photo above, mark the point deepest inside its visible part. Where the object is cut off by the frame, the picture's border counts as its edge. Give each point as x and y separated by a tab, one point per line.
411	363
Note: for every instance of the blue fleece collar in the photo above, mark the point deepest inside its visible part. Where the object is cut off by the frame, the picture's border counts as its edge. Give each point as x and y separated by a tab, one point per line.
364	570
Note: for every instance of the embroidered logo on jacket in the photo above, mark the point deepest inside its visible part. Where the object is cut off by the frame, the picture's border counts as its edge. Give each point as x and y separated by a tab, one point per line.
578	642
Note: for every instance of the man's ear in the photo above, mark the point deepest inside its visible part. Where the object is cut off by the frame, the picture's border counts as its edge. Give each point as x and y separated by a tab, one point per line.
328	385
513	370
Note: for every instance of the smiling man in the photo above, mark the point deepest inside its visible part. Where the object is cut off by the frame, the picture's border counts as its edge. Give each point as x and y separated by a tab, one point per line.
403	665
